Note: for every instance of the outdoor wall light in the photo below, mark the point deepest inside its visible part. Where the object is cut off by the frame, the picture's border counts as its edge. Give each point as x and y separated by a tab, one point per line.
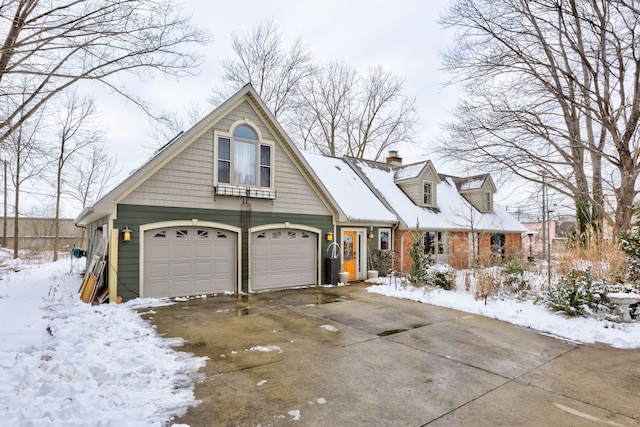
330	236
371	232
126	234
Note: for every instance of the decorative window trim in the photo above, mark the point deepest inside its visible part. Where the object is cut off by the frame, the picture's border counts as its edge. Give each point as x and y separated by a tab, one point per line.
264	170
432	195
487	201
389	241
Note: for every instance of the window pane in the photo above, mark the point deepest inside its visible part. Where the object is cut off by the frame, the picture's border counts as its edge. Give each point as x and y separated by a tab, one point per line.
427	193
265	155
223	171
265	177
384	240
244	166
223	148
244	131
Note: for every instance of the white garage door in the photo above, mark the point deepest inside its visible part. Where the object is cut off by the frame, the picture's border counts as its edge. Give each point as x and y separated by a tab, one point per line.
283	258
181	261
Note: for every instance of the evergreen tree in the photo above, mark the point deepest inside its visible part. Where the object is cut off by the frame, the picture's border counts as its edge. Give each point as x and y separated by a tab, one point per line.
418	270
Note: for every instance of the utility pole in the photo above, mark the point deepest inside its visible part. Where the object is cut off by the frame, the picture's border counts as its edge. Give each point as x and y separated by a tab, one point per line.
544	212
4	224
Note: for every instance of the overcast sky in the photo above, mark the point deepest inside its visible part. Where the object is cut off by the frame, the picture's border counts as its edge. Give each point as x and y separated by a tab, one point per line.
401	36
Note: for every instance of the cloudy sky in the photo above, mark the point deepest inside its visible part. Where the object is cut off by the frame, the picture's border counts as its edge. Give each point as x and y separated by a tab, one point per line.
401	36
404	39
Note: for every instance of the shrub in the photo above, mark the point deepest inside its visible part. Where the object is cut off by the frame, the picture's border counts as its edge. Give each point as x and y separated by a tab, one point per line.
514	277
382	261
578	294
441	276
630	245
417	271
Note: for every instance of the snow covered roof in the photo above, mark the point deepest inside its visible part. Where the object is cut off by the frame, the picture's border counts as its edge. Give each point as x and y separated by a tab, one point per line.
470	183
454	211
409	171
353	197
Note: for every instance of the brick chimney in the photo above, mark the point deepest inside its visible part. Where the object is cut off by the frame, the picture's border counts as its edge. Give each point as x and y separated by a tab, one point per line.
394	159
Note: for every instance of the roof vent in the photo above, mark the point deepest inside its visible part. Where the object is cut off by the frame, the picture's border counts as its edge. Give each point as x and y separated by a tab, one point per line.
394	159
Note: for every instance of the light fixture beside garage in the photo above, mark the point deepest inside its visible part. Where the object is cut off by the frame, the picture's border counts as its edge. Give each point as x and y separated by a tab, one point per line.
126	234
329	236
371	232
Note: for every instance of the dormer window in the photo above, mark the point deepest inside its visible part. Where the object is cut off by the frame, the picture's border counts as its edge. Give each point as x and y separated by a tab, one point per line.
428	196
488	201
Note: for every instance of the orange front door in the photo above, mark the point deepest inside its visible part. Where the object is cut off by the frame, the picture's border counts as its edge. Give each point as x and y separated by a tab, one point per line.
349	253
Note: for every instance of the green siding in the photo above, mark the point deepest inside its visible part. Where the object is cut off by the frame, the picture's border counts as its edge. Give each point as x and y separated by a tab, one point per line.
133	216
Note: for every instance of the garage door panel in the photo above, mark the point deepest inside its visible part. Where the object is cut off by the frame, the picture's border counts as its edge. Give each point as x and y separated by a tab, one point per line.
202	268
181	250
283	258
158	251
182	261
224	269
159	270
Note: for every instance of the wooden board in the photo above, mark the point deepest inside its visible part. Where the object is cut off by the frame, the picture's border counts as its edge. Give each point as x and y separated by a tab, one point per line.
89	288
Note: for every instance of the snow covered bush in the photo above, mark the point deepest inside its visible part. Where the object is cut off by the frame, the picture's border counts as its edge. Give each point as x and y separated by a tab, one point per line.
630	245
578	294
514	277
442	276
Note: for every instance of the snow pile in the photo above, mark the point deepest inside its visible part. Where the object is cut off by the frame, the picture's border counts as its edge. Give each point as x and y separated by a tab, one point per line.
523	313
66	362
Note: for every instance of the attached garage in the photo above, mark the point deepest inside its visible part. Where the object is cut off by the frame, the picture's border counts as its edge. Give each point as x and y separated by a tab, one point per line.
189	260
283	258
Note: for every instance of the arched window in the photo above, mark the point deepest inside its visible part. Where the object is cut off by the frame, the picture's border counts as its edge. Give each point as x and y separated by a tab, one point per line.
243	160
245	132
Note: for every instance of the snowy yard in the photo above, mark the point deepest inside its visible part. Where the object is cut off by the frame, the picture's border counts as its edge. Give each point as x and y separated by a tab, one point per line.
63	361
518	312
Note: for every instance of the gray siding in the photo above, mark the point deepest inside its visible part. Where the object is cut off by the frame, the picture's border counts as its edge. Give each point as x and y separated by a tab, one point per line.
413	190
187	180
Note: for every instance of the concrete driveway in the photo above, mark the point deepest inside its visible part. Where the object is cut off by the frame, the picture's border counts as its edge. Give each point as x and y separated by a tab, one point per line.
346	357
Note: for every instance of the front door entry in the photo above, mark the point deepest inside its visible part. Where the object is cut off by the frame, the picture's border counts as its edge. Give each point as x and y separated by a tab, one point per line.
349	253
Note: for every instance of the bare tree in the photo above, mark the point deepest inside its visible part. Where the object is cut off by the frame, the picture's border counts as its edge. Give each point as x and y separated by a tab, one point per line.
26	161
168	124
75	132
275	71
382	118
324	111
552	89
54	45
91	176
349	115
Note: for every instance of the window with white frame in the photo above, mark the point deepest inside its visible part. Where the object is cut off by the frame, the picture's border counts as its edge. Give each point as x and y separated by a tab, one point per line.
436	245
242	160
427	193
488	201
384	239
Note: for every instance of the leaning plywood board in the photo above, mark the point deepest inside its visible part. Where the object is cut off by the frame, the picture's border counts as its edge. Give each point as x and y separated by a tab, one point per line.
89	289
92	265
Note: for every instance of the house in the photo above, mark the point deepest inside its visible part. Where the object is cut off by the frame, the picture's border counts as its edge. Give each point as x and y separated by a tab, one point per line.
232	206
460	222
229	206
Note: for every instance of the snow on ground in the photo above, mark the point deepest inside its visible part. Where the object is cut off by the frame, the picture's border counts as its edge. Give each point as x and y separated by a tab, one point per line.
63	362
523	313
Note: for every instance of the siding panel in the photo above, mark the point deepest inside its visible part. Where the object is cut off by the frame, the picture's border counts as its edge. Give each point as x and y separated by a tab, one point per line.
187	180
